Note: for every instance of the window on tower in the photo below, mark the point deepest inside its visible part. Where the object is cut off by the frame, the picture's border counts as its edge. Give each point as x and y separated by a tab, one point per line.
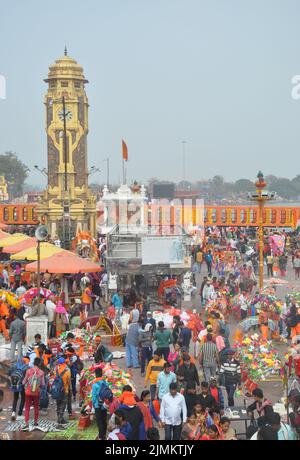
64	84
52	84
77	84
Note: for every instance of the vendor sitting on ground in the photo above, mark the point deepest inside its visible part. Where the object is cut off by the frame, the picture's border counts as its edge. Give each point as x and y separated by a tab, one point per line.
102	354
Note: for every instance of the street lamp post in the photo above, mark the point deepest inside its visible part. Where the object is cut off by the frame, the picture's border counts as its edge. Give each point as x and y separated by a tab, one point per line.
261	196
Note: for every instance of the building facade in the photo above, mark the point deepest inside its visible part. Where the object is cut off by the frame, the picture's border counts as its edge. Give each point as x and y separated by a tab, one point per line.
67	205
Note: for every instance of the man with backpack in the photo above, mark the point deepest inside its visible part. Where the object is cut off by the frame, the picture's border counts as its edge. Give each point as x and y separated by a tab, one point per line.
33	381
17	375
101	397
75	365
60	389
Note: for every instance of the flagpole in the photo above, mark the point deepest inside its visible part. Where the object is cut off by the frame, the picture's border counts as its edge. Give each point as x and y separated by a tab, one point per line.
123	172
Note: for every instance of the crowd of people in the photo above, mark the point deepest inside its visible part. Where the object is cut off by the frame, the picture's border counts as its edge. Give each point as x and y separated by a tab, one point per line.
191	376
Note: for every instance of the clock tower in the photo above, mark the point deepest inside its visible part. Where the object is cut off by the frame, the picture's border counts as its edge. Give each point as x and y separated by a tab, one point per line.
67	205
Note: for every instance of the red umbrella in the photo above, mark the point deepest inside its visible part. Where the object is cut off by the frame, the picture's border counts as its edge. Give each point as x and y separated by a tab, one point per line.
64	262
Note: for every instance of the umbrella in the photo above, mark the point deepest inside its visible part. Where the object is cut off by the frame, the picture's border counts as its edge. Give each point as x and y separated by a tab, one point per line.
13	239
2	225
65	263
4	235
47	250
20	246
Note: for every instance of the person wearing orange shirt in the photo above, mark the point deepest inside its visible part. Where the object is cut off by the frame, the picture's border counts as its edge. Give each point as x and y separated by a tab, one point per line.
263	322
87	298
4	313
64	372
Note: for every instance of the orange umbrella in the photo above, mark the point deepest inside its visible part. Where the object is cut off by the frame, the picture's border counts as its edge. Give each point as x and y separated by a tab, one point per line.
2	225
65	262
21	246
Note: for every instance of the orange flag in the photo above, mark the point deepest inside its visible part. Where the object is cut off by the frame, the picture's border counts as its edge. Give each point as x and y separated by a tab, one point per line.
125	151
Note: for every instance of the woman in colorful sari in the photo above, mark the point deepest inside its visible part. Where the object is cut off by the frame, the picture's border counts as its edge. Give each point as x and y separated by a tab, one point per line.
191	430
213	434
204	420
148	412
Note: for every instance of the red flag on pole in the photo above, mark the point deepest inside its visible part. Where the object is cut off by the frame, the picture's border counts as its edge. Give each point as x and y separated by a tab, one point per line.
124	151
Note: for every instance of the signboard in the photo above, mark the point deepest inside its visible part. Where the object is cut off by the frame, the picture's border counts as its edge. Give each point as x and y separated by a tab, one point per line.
112	282
158	250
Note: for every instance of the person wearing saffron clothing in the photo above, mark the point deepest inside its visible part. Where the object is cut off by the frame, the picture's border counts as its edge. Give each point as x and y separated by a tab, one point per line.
87	298
263	318
132	413
64	372
148	412
4	313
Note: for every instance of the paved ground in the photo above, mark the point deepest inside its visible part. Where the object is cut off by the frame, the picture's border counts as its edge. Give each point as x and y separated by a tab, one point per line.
274	391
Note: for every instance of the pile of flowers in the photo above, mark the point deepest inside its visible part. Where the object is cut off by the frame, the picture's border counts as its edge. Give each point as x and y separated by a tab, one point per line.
258	358
114	376
268	299
293	296
81	335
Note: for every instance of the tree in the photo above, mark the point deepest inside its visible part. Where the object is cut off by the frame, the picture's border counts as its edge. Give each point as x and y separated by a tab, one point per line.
244	185
15	173
296	185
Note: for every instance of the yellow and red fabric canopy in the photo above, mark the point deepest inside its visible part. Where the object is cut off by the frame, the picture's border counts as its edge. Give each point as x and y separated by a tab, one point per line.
20	246
65	262
4	235
13	239
47	250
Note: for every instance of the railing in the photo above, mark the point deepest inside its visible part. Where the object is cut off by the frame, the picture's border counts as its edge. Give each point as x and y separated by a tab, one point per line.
241	216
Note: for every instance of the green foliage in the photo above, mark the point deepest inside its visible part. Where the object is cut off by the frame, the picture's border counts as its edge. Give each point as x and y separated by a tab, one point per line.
15	173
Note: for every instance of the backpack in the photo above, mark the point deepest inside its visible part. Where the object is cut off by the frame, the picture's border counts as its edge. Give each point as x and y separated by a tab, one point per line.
44	398
57	388
34	383
105	394
17	376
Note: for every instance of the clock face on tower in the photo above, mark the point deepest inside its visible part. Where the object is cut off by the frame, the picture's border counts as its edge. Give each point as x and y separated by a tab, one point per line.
69	115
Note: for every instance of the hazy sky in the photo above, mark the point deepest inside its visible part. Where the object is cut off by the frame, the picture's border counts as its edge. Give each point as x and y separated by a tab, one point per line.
216	73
